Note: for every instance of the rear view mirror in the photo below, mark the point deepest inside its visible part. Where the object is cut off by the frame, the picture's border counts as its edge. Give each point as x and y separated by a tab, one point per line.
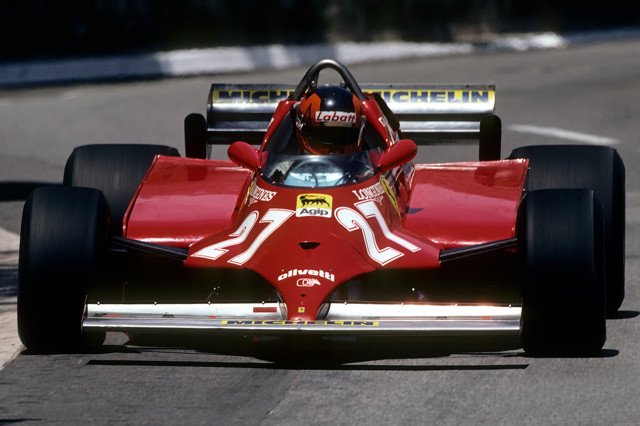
398	154
244	155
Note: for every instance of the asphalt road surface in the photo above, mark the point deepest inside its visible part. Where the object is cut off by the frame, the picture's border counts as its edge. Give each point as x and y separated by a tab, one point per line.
587	94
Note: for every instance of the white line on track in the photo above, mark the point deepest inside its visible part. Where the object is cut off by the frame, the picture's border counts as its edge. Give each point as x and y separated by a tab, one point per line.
555	132
10	344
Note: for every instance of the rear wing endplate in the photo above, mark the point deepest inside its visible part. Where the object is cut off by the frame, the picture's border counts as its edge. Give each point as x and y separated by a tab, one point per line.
428	114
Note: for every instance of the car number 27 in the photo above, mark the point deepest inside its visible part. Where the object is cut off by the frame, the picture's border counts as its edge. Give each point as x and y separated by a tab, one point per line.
350	219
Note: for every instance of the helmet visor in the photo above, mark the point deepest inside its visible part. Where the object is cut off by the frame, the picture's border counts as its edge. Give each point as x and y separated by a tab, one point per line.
333	140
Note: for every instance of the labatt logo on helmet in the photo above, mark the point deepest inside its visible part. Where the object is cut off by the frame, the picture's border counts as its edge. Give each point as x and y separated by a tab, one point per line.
336	118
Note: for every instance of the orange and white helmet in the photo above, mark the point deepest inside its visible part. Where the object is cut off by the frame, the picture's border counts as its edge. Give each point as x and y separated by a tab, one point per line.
329	121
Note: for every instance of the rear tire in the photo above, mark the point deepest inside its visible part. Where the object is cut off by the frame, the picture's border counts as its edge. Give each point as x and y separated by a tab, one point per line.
116	170
563	291
63	236
590	167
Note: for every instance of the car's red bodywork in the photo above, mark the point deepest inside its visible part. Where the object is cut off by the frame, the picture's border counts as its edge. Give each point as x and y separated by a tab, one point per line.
229	217
278	244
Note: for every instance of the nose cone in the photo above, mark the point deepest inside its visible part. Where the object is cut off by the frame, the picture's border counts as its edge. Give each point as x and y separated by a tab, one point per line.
306	255
307	267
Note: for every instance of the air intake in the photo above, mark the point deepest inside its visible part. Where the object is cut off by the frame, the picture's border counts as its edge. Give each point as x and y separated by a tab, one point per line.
308	245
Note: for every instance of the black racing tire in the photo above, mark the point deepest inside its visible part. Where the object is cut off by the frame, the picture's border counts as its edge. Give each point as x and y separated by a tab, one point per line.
63	236
114	169
589	167
560	236
490	138
195	136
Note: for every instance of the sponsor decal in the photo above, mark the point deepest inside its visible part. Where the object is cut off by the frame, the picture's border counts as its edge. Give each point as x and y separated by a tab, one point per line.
390	193
373	192
307	282
390	134
259	194
437	96
336	118
462	96
311	272
301	322
314	205
253	96
264	309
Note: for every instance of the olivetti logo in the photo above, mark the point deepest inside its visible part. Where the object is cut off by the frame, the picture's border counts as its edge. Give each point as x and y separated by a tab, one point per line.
307	282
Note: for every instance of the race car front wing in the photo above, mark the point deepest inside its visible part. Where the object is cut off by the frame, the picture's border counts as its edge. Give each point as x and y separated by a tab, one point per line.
341	319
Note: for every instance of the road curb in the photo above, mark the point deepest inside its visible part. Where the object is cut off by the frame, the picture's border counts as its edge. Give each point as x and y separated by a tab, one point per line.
10	344
191	62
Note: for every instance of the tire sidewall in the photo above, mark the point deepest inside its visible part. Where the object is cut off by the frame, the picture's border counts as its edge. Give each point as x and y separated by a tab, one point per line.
63	237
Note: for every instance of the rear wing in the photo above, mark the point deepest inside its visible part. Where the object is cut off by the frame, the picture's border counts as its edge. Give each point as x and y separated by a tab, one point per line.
428	113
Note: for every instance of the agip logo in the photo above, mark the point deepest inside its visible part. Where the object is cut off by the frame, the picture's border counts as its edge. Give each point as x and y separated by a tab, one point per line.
314	205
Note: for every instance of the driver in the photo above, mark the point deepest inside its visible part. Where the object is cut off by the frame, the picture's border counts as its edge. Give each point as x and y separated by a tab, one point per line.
329	120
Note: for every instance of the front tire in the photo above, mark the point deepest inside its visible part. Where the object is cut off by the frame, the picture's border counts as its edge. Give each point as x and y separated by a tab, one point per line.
63	236
600	169
563	290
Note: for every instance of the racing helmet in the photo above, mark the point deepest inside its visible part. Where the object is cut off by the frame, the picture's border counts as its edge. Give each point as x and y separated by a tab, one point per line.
329	120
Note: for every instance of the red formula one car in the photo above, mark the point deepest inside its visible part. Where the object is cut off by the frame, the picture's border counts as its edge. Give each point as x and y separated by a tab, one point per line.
328	229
